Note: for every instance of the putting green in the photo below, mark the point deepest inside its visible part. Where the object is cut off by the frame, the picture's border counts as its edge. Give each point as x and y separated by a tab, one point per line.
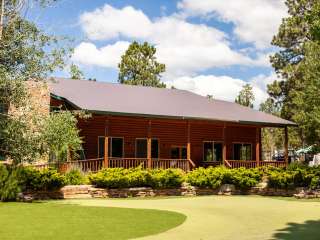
228	218
52	221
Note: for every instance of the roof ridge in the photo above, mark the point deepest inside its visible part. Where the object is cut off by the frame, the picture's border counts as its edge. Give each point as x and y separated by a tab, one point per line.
115	84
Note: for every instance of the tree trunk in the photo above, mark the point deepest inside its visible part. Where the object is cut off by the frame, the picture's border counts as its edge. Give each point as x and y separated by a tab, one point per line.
1	18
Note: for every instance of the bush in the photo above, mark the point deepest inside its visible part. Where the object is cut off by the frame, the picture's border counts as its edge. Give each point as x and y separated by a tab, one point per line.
243	178
119	178
211	177
207	177
75	177
137	177
9	184
296	175
168	178
42	180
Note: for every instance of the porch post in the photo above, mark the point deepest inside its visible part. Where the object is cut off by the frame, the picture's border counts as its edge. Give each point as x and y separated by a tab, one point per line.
106	145
188	141
286	152
258	146
149	145
224	148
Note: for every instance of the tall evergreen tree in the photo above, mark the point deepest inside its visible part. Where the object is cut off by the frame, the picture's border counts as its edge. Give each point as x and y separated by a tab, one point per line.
297	37
246	96
139	66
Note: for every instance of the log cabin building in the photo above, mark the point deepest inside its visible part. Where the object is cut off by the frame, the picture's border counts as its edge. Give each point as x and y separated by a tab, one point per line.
156	127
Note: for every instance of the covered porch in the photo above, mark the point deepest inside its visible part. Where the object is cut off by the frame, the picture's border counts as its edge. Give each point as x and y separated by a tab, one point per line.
129	142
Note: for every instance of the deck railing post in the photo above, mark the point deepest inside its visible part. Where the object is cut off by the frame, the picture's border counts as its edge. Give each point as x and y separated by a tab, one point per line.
224	148
188	141
286	151
106	145
106	152
258	129
149	145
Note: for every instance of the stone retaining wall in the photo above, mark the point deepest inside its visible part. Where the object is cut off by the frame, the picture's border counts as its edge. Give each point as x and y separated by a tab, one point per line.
88	191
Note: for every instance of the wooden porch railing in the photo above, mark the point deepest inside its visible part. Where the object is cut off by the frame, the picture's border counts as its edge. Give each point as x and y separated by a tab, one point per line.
253	164
183	164
212	164
127	162
88	165
273	163
94	165
239	163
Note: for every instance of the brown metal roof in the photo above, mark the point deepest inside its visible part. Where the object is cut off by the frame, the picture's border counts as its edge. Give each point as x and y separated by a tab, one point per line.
102	97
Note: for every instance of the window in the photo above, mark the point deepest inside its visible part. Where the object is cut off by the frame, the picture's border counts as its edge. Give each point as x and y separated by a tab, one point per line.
212	151
2	155
154	148
179	152
115	146
3	108
142	148
242	151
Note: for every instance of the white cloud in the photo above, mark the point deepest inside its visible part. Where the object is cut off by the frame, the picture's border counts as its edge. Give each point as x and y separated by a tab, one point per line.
187	49
255	21
184	47
223	87
108	56
109	22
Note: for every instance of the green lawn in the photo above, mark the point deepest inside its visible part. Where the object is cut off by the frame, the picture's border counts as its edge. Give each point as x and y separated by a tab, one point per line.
211	217
45	221
232	218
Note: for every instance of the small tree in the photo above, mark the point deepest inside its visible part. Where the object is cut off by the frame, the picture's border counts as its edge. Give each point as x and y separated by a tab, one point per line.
26	53
246	96
272	138
61	135
139	66
75	72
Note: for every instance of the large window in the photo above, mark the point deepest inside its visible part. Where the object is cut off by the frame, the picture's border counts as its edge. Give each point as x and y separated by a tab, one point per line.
115	147
142	148
242	151
3	108
2	155
179	152
212	151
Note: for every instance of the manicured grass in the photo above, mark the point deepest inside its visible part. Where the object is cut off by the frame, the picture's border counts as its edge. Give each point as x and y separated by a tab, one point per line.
45	221
235	217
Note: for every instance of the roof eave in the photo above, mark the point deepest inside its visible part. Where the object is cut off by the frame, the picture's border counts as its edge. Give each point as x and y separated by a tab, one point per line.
263	124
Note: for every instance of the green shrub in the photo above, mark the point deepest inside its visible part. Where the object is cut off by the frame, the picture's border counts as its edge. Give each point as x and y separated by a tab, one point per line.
168	178
119	178
211	177
243	178
137	177
296	175
207	177
75	177
42	180
9	184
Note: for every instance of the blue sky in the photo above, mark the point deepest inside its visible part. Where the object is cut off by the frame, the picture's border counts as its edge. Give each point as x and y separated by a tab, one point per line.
209	46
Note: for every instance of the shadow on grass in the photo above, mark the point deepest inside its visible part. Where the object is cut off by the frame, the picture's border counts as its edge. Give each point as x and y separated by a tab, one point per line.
309	230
